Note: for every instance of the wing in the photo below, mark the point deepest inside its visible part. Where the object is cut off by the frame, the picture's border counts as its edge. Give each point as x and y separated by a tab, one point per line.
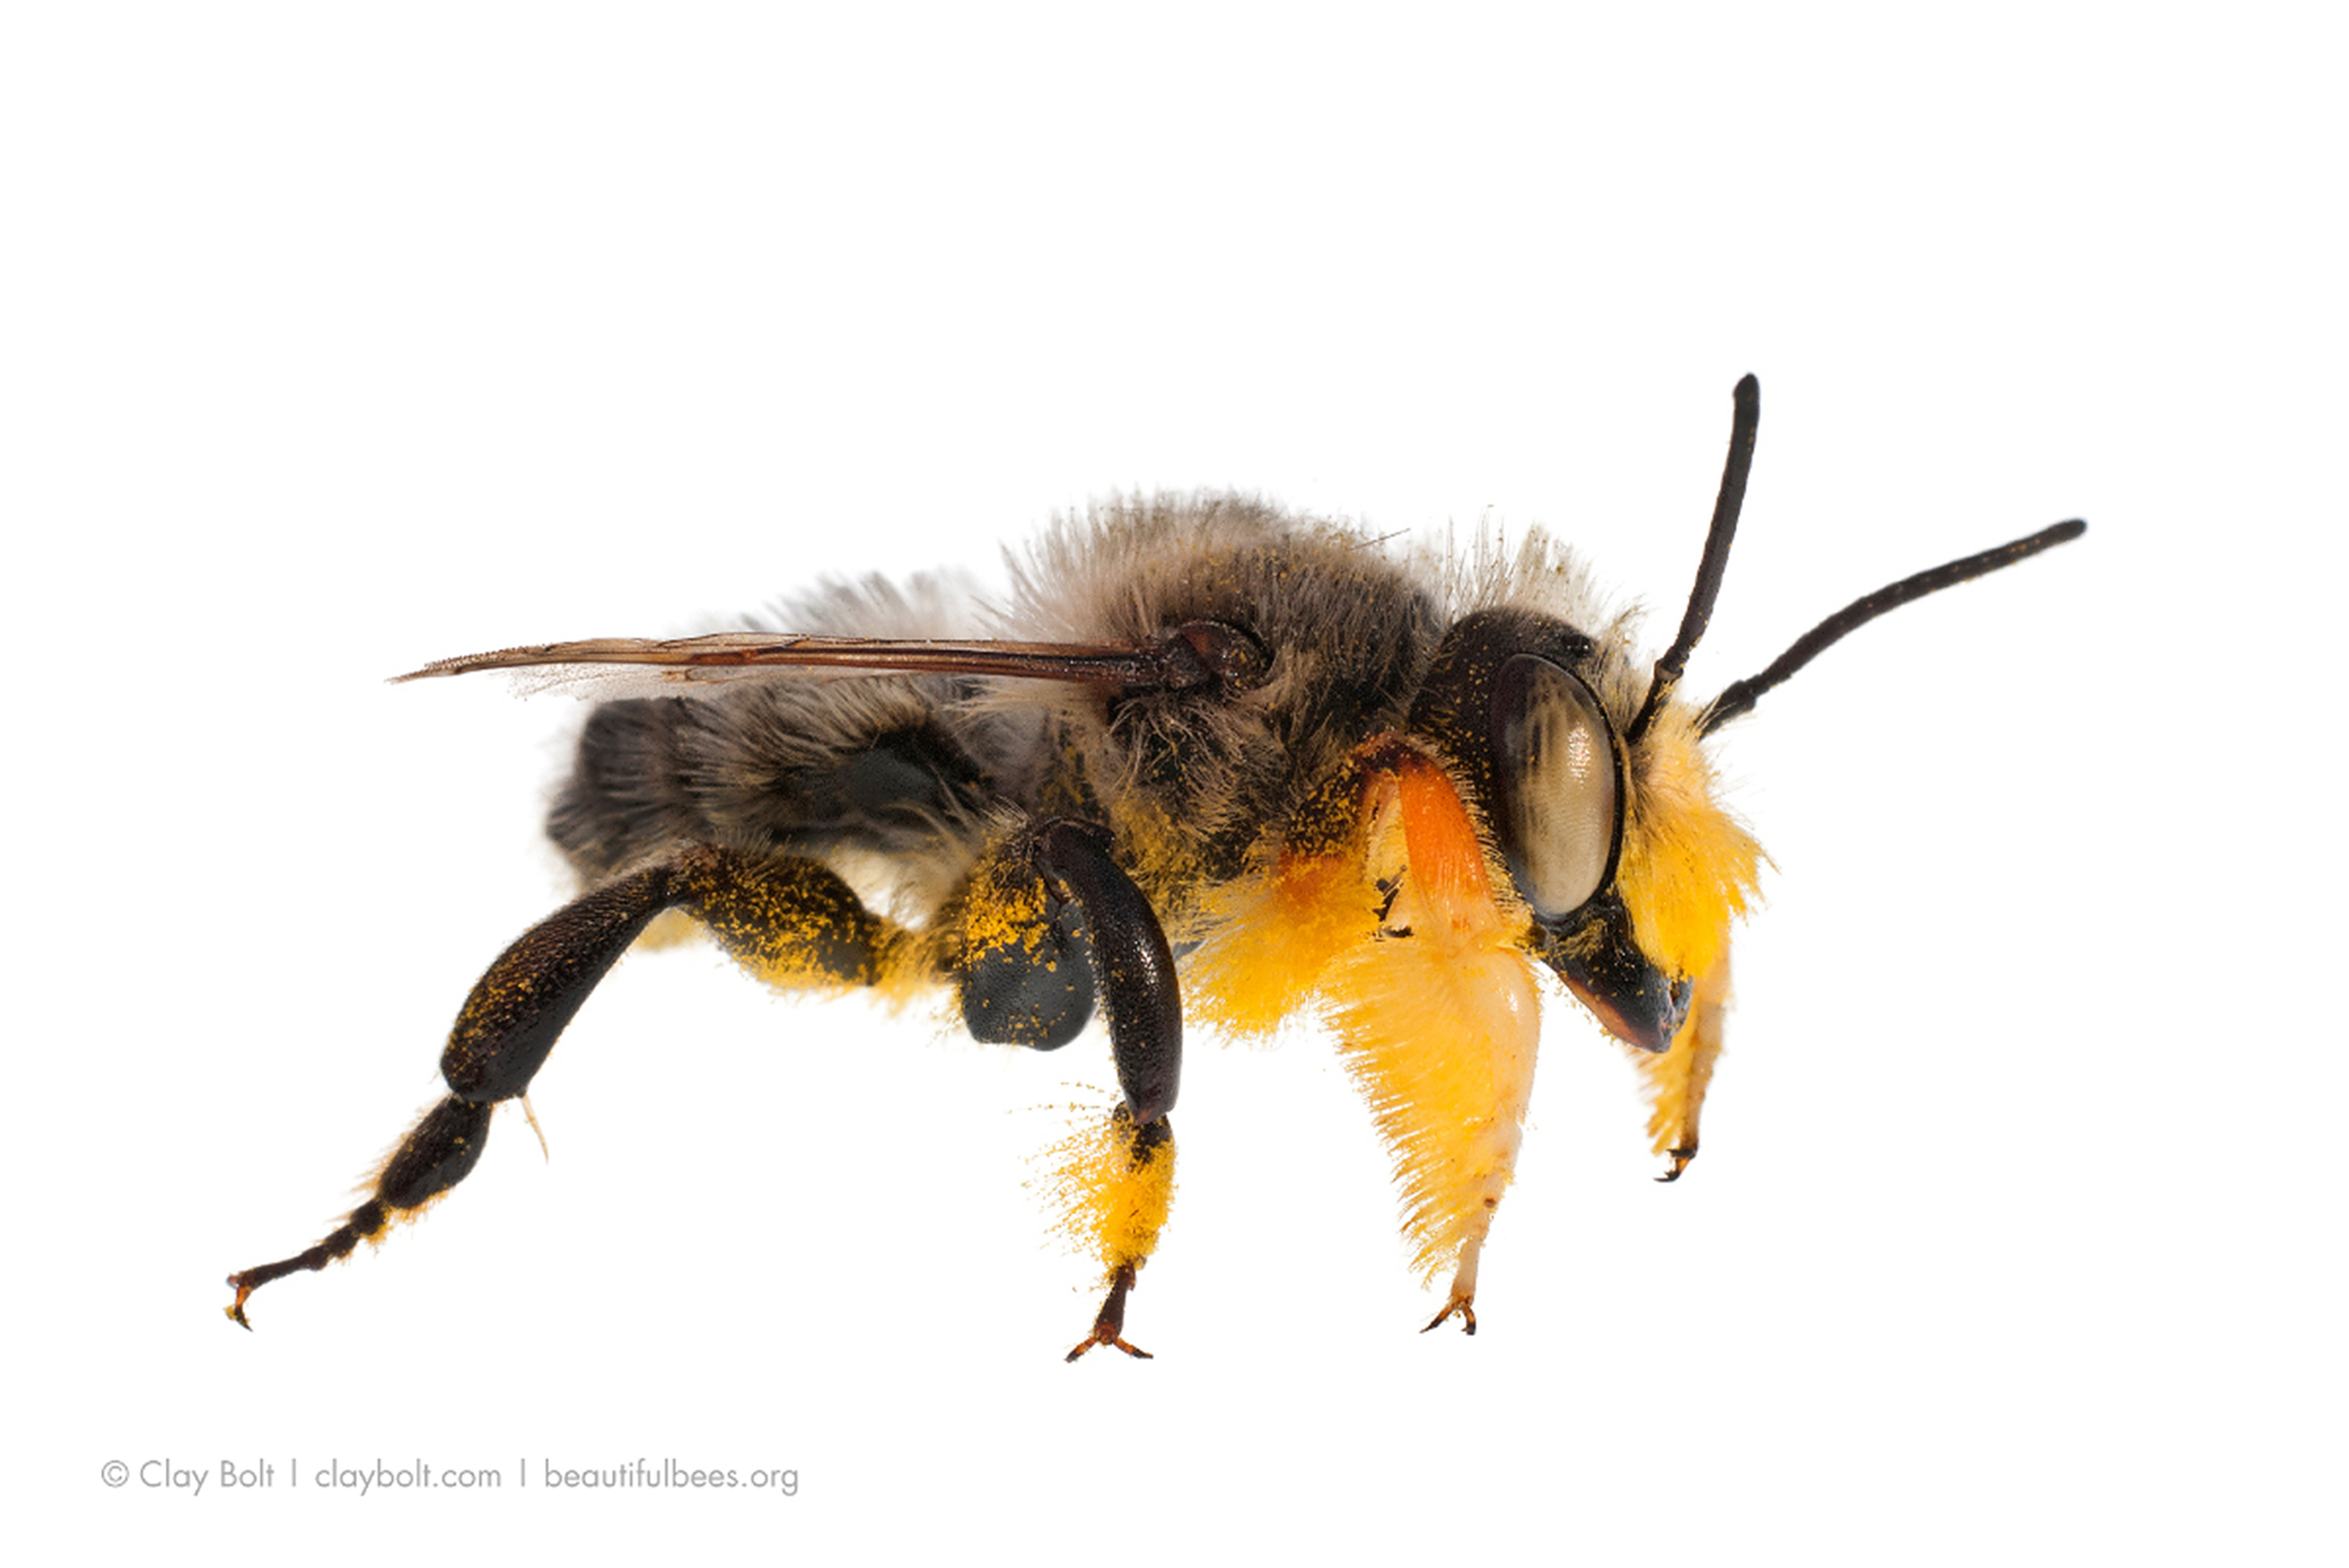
1194	654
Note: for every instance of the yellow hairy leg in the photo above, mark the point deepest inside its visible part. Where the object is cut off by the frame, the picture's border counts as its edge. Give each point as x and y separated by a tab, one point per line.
1438	1019
1390	928
1677	1080
1116	1188
1688	871
1441	1025
1116	1181
797	926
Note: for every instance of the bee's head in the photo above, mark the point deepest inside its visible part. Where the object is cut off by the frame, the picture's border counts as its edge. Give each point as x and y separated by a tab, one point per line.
1629	869
1597	792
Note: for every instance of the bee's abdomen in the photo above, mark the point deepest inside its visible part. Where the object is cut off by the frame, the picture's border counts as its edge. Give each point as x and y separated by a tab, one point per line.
801	768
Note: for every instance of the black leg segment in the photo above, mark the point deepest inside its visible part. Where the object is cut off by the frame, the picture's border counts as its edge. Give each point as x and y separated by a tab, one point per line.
1129	951
1024	971
791	922
520	1007
438	1154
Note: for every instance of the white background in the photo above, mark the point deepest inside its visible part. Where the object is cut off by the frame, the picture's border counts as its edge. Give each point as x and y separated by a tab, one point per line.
338	340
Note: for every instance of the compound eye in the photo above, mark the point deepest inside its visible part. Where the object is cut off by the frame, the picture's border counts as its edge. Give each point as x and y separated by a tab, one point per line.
1554	763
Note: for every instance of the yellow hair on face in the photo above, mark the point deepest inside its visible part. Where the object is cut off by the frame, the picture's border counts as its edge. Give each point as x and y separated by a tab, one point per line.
1688	867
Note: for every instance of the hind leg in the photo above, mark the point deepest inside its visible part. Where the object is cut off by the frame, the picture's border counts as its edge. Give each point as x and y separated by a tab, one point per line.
1023	974
791	922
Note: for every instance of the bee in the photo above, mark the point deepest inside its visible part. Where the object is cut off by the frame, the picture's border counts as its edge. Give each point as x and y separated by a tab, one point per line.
1209	763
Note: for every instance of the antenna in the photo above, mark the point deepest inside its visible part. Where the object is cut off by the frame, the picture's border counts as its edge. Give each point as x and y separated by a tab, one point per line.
1738	697
1743	423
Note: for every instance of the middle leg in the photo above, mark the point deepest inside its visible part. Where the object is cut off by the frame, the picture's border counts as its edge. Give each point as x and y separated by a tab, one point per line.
1048	917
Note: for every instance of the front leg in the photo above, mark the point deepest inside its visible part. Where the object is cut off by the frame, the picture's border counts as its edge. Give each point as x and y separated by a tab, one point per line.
1677	1079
